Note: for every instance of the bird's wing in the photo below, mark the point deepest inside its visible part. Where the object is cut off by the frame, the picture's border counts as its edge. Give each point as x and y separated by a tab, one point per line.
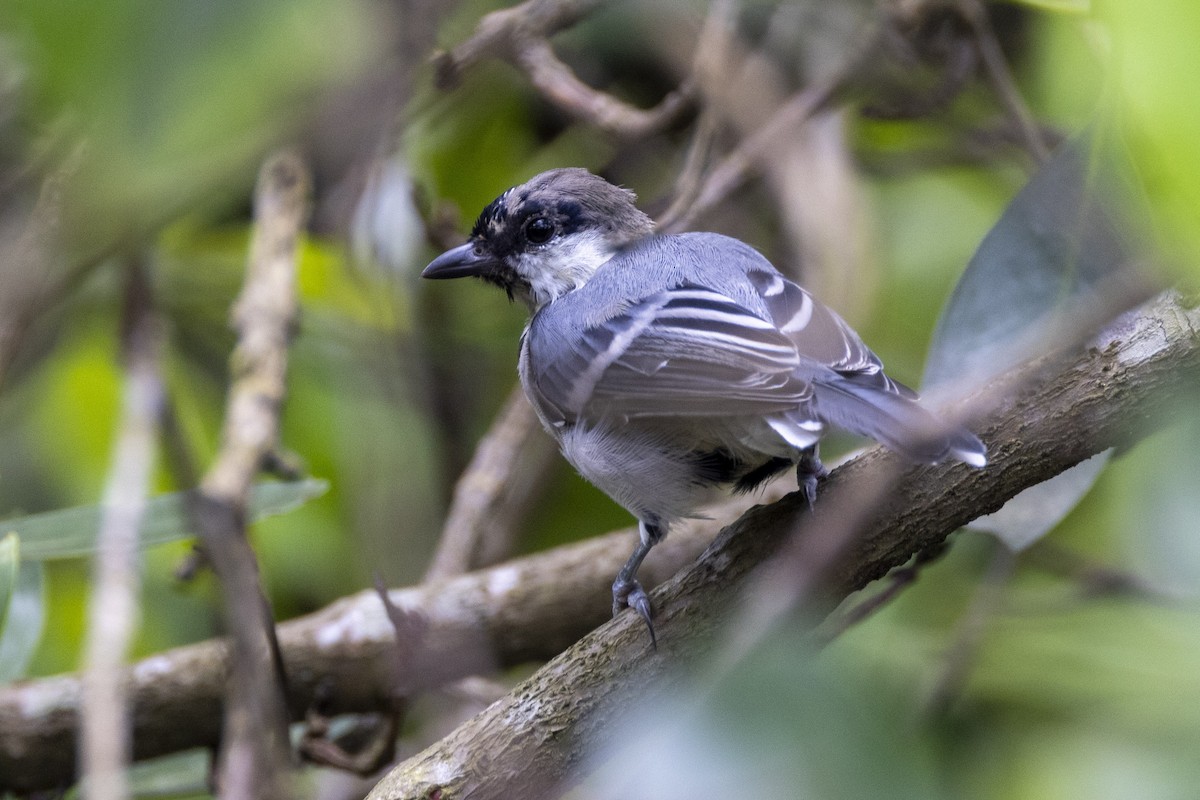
820	335
685	351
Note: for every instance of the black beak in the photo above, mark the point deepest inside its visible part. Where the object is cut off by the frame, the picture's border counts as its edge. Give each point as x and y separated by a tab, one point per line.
461	262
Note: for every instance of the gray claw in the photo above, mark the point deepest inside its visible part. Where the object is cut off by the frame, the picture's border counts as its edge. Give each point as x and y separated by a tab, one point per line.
630	594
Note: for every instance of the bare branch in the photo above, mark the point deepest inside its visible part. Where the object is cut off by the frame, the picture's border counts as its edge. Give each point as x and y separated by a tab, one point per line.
1076	407
509	464
113	611
344	656
496	32
253	755
1001	77
520	36
558	84
735	168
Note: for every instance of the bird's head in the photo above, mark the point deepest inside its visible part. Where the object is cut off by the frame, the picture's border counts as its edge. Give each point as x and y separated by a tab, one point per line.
546	237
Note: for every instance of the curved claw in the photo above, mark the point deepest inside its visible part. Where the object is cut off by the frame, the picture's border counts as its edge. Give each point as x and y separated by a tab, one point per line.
809	473
630	594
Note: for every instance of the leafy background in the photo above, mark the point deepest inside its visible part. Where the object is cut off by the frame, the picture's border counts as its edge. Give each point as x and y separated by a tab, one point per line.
1070	688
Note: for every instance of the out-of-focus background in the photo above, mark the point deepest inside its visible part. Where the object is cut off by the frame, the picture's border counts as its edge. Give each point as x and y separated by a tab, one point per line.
131	132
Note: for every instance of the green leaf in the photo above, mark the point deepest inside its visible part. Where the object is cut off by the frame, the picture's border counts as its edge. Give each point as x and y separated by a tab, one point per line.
179	776
26	621
1055	245
71	532
10	549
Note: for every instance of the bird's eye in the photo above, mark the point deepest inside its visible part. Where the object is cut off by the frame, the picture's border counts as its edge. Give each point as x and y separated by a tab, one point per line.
539	230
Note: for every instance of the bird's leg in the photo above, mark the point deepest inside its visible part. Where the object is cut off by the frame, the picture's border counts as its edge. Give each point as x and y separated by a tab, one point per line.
627	592
809	472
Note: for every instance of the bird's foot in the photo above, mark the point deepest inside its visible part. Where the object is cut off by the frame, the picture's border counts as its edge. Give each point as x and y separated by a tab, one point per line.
809	474
628	593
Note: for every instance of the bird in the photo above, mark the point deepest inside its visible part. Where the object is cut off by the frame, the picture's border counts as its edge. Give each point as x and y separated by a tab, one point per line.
670	367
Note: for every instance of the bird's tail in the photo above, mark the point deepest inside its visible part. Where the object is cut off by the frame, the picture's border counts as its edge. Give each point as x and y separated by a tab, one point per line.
897	421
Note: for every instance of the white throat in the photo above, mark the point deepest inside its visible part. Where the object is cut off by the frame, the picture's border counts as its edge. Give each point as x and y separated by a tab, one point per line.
563	266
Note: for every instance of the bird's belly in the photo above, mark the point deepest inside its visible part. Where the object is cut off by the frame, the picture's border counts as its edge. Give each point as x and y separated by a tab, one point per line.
659	472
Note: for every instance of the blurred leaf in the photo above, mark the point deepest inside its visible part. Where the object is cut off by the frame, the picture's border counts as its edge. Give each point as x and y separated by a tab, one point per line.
26	620
71	532
788	722
1036	511
1055	244
176	101
1163	506
178	776
10	559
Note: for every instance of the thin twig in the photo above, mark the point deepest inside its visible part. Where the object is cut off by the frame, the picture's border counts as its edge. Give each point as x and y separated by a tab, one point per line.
687	183
509	463
555	81
998	72
834	626
520	36
735	168
495	33
253	755
113	612
705	63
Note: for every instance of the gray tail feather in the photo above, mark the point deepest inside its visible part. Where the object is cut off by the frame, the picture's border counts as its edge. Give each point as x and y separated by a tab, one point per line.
896	421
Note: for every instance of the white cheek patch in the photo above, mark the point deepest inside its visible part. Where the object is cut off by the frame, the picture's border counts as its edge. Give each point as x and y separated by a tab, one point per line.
563	265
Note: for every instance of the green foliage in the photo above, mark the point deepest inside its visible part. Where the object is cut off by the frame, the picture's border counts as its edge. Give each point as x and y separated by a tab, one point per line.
182	776
1067	694
22	628
10	560
1155	63
175	100
71	532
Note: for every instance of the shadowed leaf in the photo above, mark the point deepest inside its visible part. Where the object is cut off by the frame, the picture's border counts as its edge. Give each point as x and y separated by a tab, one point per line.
1041	266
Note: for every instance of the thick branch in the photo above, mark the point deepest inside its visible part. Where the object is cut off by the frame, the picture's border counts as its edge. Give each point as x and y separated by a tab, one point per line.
529	741
525	610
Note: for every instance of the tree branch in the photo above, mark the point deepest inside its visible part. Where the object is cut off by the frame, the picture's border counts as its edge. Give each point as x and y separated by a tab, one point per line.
520	36
113	609
491	496
254	741
529	741
525	610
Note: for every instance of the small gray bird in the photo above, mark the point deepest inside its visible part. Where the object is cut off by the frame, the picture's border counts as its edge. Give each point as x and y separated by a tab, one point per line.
667	366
